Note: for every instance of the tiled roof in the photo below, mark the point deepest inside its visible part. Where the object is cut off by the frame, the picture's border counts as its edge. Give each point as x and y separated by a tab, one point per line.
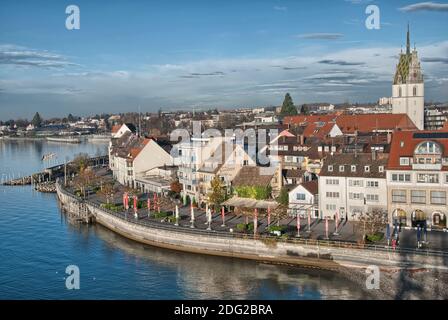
352	123
251	176
374	122
360	161
116	128
311	186
404	144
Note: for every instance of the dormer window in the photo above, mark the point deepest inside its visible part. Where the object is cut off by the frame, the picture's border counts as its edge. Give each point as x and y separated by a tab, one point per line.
404	161
380	169
341	168
353	168
428	147
330	168
367	168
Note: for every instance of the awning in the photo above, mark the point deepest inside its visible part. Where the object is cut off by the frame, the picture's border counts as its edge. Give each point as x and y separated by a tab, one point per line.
250	203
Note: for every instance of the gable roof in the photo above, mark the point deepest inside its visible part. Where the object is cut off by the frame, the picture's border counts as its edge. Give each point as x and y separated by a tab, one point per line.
251	176
312	186
347	160
404	144
349	123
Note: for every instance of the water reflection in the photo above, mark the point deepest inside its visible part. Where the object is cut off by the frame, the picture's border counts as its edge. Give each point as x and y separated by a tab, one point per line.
208	277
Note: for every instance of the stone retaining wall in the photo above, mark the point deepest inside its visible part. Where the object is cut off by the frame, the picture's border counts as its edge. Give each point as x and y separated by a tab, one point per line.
317	255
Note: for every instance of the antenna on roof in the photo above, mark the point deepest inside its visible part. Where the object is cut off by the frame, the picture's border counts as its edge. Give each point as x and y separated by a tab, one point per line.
139	123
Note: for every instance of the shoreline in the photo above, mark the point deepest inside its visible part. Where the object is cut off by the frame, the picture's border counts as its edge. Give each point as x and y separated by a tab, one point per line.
348	262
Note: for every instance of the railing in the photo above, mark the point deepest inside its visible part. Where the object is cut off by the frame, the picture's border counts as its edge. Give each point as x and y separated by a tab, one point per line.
223	234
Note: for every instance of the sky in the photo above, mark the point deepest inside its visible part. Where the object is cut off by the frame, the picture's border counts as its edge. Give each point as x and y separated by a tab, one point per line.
209	54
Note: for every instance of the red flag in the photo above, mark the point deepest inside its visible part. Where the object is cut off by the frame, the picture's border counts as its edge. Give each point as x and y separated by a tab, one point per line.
223	216
135	203
269	216
326	227
298	223
149	203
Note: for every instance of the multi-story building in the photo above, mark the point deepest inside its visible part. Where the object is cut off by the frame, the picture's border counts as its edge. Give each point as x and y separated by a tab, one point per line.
417	178
224	164
352	184
131	156
190	157
408	89
435	117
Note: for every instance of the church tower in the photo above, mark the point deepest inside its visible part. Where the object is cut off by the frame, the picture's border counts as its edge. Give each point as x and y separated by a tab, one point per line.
408	89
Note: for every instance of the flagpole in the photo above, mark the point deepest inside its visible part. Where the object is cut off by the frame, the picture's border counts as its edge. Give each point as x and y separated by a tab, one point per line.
223	217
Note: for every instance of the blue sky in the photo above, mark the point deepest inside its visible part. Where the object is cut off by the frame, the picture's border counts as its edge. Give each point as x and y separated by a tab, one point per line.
185	54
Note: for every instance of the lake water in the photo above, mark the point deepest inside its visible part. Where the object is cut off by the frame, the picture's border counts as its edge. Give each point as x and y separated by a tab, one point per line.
37	243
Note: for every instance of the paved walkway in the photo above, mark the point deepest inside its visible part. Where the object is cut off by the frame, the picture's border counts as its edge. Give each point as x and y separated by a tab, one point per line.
436	240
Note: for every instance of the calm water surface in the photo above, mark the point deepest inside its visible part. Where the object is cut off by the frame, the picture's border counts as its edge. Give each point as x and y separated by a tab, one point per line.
37	243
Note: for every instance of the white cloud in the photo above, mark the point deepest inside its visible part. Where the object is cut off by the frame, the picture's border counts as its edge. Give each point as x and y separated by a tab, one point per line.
425	6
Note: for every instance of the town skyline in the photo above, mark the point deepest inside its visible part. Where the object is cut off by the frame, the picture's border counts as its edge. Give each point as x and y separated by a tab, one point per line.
249	55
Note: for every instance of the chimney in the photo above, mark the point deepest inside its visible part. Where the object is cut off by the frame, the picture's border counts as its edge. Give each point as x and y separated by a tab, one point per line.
301	139
373	154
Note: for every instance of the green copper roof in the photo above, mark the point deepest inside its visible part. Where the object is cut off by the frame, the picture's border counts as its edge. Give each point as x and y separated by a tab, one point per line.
403	68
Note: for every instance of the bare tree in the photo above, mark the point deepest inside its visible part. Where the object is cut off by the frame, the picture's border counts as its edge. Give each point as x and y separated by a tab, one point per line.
372	222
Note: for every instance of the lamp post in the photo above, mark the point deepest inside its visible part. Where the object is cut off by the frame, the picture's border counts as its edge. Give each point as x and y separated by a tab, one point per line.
177	216
192	216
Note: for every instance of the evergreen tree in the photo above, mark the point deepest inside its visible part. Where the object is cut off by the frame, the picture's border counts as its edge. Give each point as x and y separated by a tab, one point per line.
305	110
288	108
37	120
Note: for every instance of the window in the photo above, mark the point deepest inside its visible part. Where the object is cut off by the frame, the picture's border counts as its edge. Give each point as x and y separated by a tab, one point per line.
367	168
418	196
331	207
330	168
355	183
414	91
438	197
332	194
428	147
341	168
129	172
399	196
427	178
399	92
404	161
372	184
380	169
353	168
355	196
332	182
300	196
446	178
401	177
372	198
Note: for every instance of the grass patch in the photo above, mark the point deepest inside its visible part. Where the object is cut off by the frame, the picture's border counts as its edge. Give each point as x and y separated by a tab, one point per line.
375	237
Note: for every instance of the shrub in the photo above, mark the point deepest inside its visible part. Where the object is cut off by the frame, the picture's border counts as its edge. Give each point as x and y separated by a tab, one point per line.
277	228
241	227
160	215
375	237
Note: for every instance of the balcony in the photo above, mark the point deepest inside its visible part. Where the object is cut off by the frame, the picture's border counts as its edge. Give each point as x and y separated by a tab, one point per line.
427	166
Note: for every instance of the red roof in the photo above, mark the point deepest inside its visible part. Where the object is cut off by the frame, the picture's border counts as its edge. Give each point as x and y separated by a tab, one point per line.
360	123
404	144
374	122
116	128
311	186
135	151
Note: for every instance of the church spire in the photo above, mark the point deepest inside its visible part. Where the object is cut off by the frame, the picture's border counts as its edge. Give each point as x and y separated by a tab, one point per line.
408	43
